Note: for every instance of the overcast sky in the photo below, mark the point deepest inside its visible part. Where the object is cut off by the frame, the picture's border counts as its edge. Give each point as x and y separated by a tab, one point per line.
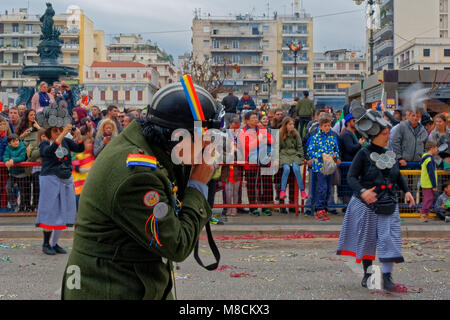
146	16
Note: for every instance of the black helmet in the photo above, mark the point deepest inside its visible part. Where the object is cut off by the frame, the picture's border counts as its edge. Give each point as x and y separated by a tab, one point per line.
170	108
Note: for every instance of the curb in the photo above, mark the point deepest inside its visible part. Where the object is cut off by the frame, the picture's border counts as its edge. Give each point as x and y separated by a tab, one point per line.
419	231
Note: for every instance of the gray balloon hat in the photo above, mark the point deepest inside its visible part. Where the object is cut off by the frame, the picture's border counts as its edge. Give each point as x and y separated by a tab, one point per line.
369	124
55	115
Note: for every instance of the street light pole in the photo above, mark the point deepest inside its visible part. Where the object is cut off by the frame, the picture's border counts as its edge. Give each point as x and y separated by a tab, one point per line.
295	48
371	40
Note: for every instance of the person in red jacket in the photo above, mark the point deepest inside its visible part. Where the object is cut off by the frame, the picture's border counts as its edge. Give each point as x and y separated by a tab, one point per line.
253	139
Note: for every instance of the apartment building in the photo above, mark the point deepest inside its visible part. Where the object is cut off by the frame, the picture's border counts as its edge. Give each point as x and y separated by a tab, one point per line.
124	84
258	45
132	48
20	35
334	72
413	34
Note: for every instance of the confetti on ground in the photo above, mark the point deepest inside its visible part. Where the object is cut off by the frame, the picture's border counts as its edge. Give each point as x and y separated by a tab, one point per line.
221	268
240	275
205	252
179	276
432	270
5	259
294	236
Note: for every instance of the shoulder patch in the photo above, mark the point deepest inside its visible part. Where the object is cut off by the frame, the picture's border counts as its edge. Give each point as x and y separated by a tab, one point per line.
151	198
141	160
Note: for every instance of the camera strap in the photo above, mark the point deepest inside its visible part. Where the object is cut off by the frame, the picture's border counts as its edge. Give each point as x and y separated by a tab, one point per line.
212	246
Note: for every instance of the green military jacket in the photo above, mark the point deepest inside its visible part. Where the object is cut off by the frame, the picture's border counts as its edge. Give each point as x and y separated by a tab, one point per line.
291	150
305	108
111	250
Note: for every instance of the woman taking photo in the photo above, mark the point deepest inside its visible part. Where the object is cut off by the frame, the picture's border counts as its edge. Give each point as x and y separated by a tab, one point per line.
372	220
42	98
106	132
291	155
57	208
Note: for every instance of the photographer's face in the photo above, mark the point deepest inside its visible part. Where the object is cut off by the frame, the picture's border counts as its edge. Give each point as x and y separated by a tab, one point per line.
32	116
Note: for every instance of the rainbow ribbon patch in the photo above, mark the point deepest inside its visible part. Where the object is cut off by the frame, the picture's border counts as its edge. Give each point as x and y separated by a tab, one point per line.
141	160
192	98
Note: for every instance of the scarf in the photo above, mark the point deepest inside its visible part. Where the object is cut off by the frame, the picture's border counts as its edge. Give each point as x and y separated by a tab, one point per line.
44	99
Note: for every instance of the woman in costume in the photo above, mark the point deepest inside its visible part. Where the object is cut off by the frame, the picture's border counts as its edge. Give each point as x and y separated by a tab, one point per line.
372	220
57	208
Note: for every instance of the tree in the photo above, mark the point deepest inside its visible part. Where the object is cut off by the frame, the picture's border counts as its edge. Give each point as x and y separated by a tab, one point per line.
210	77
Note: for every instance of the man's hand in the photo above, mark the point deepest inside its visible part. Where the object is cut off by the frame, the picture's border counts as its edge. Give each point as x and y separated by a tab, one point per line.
202	173
362	141
370	196
402	162
435	189
338	162
409	198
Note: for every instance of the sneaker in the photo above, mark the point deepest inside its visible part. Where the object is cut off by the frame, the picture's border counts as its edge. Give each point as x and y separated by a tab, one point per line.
364	280
255	212
214	220
423	218
319	214
304	194
282	195
308	213
58	249
243	210
47	249
267	212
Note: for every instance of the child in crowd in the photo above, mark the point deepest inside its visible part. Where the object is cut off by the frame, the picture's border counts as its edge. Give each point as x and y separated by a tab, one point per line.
14	153
322	143
442	205
291	155
5	131
428	178
81	165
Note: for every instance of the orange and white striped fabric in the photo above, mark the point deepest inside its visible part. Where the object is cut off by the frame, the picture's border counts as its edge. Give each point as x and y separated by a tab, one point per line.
84	161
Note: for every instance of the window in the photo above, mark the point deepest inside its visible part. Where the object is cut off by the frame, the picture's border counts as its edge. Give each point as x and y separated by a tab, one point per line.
15	74
123	75
265	43
127	95
265	87
2	42
446	68
236	59
15	42
15	27
15	57
206	43
115	95
113	75
446	52
29	42
103	95
140	93
206	29
426	52
426	68
340	66
265	58
235	44
265	28
356	66
132	76
29	27
1	57
91	93
216	44
255	60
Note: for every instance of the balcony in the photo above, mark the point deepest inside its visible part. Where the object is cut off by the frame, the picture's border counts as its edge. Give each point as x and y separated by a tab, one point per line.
236	50
241	64
381	62
299	61
384	33
302	35
248	35
302	49
71	47
300	74
384	47
25	34
405	63
338	79
291	88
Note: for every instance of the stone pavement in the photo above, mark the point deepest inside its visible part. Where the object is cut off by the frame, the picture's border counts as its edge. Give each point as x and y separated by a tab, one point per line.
245	224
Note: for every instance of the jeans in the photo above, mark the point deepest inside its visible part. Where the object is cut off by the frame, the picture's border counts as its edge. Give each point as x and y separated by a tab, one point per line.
298	176
323	188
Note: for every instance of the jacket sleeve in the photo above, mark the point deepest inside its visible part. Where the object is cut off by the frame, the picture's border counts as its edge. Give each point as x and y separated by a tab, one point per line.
351	146
6	154
431	169
313	151
98	145
177	235
397	142
252	104
75	147
240	105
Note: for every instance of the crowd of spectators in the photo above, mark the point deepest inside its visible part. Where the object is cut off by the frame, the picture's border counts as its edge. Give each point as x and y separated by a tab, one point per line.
309	137
20	137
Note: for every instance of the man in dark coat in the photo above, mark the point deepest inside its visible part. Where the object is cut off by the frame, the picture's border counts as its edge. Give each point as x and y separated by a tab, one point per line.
230	103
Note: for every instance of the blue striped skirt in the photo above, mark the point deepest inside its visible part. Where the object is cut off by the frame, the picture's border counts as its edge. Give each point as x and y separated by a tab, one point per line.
365	233
57	205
